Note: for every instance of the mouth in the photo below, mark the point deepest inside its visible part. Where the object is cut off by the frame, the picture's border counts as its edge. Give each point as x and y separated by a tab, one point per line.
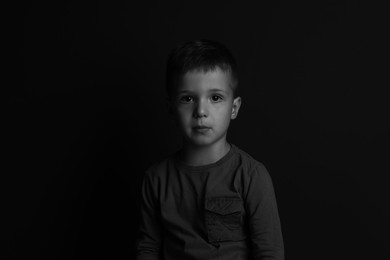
201	128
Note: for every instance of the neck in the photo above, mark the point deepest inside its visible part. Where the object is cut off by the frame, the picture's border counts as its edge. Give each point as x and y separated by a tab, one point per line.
203	155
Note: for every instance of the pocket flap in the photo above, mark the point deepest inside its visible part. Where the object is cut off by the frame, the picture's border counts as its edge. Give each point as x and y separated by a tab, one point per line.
224	205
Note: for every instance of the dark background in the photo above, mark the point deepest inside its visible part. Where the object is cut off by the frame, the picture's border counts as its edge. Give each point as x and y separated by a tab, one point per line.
90	117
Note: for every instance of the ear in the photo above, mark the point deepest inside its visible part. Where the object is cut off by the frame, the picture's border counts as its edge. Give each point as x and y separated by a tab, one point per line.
236	107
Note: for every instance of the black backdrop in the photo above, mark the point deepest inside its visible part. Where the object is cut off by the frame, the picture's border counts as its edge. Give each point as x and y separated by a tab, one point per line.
90	117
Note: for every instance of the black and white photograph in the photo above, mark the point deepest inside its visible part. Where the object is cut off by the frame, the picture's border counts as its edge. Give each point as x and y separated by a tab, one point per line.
197	130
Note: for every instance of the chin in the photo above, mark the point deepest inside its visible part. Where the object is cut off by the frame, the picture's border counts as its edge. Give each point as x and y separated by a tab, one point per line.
199	142
203	142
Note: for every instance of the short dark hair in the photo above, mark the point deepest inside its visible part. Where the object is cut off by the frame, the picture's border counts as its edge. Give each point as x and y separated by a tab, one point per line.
203	55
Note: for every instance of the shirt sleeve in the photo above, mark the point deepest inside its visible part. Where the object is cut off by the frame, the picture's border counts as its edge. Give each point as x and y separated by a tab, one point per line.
263	218
149	234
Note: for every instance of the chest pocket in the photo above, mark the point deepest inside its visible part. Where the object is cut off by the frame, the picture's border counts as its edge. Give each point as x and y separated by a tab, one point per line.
224	219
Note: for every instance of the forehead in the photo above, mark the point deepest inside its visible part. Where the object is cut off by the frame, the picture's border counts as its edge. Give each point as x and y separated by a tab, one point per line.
201	81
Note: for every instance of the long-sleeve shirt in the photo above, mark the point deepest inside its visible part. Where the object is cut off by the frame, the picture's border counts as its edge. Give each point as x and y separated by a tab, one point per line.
225	210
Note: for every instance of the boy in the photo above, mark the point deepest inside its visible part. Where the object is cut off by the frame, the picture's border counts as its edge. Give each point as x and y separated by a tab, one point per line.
210	200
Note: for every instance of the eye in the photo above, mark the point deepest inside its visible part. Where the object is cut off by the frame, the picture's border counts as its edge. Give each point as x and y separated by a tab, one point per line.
216	98
186	99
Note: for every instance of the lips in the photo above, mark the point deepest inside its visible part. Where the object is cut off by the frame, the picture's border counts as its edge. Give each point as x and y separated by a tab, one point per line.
201	128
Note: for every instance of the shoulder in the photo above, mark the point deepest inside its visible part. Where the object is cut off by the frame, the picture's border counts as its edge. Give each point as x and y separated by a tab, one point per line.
160	167
254	179
249	164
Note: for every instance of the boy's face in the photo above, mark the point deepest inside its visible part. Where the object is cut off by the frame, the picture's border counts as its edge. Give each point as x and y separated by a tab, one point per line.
203	105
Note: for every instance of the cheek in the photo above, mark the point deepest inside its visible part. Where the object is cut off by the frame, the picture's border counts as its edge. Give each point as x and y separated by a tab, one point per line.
226	113
184	112
183	115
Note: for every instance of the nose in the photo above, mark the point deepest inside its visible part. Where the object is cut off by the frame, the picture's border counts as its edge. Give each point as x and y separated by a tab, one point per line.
200	109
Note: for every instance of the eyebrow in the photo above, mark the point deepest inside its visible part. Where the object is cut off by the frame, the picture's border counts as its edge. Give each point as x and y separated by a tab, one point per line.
211	90
217	90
